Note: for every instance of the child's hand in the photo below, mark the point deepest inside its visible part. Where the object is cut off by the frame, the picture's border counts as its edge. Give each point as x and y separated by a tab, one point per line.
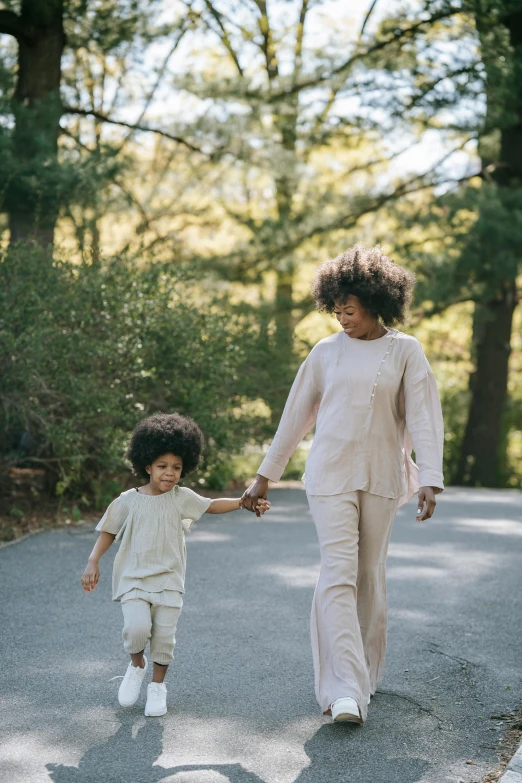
90	577
262	507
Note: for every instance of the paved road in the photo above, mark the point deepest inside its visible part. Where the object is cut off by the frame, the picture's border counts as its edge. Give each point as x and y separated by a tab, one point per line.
241	698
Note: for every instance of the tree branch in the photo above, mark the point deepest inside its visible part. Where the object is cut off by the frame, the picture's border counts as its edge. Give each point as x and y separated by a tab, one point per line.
121	60
369	164
298	54
159	75
419	314
360	55
402	190
272	67
367	17
345	222
134	126
76	139
145	219
12	24
428	87
224	35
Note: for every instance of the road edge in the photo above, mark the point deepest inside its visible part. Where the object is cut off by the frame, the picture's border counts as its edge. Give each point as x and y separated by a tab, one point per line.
4	544
513	771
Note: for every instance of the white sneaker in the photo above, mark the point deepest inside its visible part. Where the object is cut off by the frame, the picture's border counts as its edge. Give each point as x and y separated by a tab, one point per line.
346	710
156	700
130	687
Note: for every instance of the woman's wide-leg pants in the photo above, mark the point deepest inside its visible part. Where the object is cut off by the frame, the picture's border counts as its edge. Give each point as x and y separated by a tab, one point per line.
349	611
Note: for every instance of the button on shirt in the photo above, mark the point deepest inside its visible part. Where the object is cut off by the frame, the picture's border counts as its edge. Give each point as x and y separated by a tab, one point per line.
370	401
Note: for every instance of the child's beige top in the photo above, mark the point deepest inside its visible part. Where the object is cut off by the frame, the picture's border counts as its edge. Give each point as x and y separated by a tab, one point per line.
152	554
370	401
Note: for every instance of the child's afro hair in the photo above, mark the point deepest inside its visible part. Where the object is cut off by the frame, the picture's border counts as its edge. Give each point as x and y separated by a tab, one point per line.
383	287
165	433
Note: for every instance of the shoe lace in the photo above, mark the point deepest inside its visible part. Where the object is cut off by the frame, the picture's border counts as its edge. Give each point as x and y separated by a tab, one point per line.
135	674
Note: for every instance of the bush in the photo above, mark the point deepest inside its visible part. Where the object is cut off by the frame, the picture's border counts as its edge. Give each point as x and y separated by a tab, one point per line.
87	351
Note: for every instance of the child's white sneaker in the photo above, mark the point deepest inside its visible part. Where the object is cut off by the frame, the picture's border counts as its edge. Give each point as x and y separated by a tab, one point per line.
156	700
130	687
346	710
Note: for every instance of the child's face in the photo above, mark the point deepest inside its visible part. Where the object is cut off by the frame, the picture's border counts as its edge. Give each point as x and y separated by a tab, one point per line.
165	472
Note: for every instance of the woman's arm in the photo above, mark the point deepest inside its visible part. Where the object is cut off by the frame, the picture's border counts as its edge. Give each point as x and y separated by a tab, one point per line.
298	418
426	427
91	574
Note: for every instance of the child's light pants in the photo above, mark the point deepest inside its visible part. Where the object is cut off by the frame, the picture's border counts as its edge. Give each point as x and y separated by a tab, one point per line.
145	620
349	611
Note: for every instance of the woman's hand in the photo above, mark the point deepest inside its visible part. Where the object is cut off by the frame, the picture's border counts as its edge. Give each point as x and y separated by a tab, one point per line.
427	503
90	576
251	497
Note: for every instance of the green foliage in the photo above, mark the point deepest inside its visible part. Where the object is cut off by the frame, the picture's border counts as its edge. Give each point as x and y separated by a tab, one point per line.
85	352
462	245
107	24
33	180
491	254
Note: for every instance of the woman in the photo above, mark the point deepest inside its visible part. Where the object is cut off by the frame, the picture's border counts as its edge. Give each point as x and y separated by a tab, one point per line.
371	394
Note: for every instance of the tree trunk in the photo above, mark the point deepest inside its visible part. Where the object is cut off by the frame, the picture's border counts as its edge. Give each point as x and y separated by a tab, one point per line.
480	462
482	457
32	198
285	115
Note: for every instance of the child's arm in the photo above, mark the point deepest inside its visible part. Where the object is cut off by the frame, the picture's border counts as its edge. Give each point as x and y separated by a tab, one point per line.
92	572
223	505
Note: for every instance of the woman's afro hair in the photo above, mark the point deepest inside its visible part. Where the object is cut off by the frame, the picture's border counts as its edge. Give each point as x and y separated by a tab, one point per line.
165	433
383	287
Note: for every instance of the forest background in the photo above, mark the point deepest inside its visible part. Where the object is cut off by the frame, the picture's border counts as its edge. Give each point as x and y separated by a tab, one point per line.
171	175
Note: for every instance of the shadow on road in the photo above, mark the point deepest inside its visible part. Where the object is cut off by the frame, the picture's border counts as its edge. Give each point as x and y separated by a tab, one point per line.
125	758
333	756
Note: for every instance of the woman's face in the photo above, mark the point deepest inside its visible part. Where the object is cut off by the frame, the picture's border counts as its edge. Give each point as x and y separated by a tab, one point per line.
354	319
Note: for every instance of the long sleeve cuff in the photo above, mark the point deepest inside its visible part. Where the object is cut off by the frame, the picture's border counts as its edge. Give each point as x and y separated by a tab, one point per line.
271	470
430	478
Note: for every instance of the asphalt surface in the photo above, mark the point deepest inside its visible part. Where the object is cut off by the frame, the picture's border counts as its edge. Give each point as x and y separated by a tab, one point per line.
240	693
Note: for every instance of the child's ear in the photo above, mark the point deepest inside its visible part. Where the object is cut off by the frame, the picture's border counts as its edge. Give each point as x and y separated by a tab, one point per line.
149	469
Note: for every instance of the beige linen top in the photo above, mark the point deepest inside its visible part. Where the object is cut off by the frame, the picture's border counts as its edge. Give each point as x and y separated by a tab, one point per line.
151	528
370	401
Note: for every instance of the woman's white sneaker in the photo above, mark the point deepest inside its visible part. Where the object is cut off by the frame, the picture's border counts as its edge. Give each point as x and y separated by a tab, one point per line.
130	687
346	709
156	700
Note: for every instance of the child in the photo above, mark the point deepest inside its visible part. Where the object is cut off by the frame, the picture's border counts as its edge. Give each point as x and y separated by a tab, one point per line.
149	568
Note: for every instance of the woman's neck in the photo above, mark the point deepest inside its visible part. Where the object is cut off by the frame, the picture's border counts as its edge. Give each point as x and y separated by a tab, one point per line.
381	331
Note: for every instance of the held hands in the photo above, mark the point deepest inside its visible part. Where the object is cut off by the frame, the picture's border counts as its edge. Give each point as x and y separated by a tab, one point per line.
262	507
255	497
427	503
90	577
